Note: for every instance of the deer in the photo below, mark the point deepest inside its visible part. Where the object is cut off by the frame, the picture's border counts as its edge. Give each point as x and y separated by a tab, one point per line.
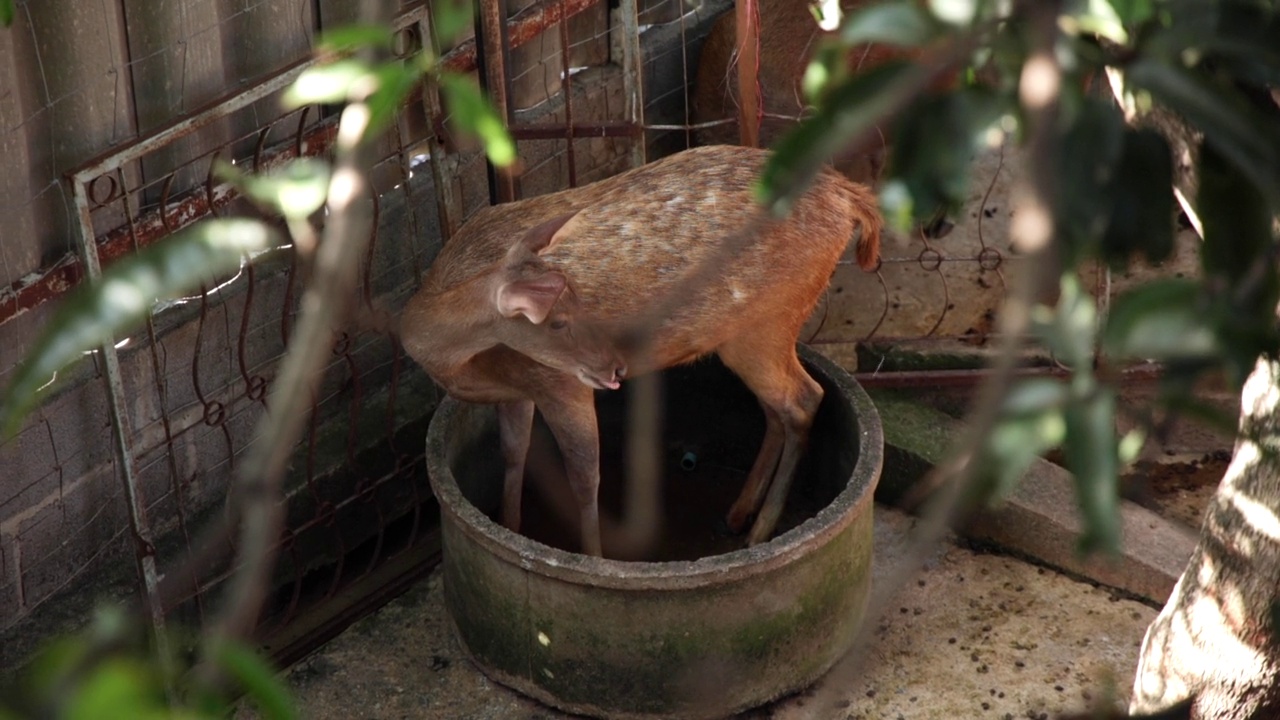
536	303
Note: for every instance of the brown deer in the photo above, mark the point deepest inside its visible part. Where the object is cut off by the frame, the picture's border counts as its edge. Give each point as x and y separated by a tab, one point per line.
531	304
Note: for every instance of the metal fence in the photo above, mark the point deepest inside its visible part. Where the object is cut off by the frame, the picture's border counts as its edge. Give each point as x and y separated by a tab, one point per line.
110	482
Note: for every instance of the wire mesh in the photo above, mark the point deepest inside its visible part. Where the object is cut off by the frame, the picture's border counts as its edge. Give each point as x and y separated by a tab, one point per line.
194	378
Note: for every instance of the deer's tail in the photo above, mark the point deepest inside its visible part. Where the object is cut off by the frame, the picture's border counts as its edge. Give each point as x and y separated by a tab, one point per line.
866	210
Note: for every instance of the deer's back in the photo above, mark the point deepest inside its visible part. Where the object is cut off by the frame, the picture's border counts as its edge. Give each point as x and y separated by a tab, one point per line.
639	234
637	245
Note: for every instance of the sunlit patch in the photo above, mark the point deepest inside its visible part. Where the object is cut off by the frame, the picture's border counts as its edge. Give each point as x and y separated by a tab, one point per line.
543	639
1041	82
1032	227
1258	516
124	296
829	14
955	12
345	187
45	386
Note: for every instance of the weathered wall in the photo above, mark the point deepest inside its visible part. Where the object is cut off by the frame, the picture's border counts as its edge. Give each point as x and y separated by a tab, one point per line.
191	378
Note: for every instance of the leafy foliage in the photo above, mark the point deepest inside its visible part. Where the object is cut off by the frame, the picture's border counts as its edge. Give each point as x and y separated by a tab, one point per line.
1208	62
108	672
96	313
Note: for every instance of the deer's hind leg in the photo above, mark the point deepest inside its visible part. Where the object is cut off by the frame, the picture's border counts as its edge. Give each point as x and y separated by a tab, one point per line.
790	399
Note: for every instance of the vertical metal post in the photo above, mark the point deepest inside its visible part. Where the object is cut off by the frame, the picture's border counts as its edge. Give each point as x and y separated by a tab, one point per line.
747	16
633	75
566	87
643	499
443	165
491	61
144	543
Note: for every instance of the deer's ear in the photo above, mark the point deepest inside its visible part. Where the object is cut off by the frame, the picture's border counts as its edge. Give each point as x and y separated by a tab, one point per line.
546	235
532	297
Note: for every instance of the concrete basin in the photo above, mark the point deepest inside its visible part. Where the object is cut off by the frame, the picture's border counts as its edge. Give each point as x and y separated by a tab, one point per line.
688	634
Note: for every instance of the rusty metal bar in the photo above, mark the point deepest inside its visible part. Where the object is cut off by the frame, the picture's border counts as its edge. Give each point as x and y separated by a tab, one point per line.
632	74
566	86
527	25
556	131
491	60
144	549
971	378
747	15
443	165
55	280
166	135
215	110
64	274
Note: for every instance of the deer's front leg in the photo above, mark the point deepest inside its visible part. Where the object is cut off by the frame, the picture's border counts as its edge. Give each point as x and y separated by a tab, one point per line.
571	415
515	424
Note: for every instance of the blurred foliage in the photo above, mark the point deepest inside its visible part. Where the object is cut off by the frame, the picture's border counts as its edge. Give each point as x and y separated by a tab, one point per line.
96	313
1208	62
109	670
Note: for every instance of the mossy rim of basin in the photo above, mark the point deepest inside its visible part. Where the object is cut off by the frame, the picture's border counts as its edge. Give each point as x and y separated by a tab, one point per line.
537	557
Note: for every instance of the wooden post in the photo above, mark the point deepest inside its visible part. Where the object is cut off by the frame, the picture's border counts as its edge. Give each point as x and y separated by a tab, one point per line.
748	42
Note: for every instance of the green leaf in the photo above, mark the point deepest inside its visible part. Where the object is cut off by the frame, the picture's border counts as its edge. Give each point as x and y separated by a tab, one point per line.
1131	445
1220	112
1244	42
1090	448
96	313
6	12
1239	259
896	205
396	80
1236	220
903	23
1160	320
934	142
476	115
1099	17
1068	329
450	17
1087	162
258	680
294	190
1133	12
355	37
117	688
1034	397
850	109
1142	200
329	83
1013	445
1030	423
828	67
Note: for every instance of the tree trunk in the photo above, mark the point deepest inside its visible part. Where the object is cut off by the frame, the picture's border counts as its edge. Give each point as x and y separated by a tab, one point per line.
1215	639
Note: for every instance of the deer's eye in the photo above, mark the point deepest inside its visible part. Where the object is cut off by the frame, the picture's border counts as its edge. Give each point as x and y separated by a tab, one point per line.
559	324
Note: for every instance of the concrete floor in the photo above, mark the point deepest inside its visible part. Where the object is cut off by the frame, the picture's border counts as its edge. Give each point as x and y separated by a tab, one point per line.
973	635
